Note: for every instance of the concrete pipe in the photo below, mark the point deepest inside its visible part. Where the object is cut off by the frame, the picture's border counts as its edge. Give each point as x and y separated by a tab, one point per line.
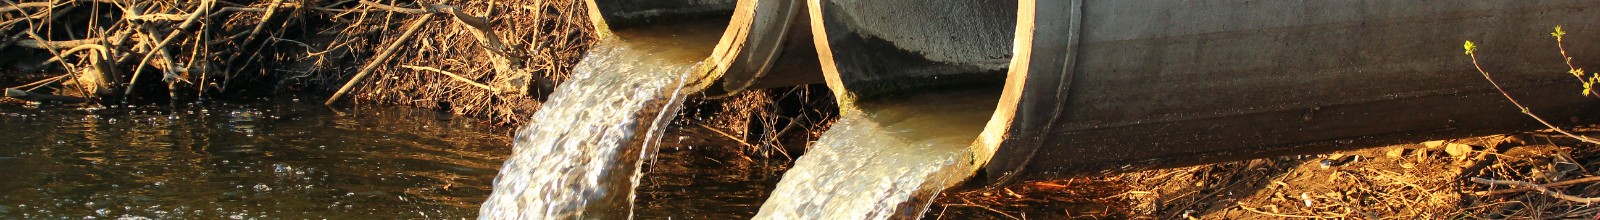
765	44
1129	84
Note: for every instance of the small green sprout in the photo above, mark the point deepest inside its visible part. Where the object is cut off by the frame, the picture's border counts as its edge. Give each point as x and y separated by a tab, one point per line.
1588	85
1588	88
1558	33
1470	47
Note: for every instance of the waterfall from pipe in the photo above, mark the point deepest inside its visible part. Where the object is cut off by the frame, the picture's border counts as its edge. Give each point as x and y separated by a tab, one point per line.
885	159
580	155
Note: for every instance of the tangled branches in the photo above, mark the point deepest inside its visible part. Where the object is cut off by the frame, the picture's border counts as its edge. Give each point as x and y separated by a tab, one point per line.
493	59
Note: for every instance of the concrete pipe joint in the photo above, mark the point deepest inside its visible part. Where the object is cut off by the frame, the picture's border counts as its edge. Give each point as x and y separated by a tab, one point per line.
764	44
1092	86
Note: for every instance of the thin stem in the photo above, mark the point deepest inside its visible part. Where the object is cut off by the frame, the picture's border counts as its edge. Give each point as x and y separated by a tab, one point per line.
1521	107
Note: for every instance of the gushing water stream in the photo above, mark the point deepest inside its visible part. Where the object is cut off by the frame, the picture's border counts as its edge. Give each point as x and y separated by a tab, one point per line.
885	159
579	157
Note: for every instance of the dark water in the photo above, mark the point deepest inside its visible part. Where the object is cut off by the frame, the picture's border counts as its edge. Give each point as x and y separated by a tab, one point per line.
282	159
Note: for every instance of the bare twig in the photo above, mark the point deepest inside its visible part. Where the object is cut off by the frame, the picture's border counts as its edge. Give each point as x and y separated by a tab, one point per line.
44	4
157	17
1537	187
478	27
452	75
30	96
1547	185
62	44
187	23
25	5
729	136
1247	208
382	56
1007	215
36	84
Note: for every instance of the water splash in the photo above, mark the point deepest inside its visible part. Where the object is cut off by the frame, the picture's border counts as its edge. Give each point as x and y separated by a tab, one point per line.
886	159
580	155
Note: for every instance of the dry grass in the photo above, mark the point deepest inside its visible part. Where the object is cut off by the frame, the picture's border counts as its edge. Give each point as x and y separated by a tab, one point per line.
545	40
1433	180
504	55
772	123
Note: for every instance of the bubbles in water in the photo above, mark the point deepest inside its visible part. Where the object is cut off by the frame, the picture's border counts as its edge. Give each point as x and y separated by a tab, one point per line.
280	168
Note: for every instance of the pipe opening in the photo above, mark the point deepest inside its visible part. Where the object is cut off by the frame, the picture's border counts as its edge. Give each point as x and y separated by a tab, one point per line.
947	60
754	44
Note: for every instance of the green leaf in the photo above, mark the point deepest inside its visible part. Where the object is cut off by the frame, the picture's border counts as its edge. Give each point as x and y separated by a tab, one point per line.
1558	33
1470	47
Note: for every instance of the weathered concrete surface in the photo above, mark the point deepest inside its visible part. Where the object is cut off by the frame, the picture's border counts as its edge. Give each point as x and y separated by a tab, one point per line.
621	14
762	36
1129	84
1158	83
882	46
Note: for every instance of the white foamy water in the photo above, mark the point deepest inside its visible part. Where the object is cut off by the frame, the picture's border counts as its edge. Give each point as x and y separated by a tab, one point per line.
886	159
579	157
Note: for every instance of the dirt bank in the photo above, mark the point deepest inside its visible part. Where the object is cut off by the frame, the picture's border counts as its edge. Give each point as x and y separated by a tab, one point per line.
1449	179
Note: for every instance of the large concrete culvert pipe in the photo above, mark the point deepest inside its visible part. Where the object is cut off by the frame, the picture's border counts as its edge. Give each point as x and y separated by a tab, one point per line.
765	44
1130	84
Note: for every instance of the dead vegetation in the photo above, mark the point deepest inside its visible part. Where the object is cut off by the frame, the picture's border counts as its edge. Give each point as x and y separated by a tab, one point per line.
773	123
1536	175
479	58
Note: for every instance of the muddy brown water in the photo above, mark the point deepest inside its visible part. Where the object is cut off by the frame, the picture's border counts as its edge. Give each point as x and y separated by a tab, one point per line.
292	160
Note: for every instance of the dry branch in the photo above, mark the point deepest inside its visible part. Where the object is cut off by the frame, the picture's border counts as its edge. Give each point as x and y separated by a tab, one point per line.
478	27
1547	185
205	5
453	76
30	96
382	56
1537	187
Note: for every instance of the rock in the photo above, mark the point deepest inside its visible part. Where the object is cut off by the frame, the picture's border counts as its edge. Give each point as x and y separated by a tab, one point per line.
1458	151
1433	144
1395	153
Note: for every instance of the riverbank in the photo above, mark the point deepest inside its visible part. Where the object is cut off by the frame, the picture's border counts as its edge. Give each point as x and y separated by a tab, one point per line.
492	60
1447	179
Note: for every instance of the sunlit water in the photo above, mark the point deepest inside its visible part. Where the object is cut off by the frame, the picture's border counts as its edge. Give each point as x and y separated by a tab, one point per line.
261	161
287	160
580	155
885	160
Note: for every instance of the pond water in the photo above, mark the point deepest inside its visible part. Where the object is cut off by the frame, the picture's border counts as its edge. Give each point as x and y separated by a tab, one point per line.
291	160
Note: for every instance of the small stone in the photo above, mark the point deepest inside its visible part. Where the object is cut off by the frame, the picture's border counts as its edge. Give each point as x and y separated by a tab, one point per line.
1306	197
1457	150
1395	153
1433	144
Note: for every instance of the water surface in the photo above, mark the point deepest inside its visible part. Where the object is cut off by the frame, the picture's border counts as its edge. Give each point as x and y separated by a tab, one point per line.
885	158
278	160
288	160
